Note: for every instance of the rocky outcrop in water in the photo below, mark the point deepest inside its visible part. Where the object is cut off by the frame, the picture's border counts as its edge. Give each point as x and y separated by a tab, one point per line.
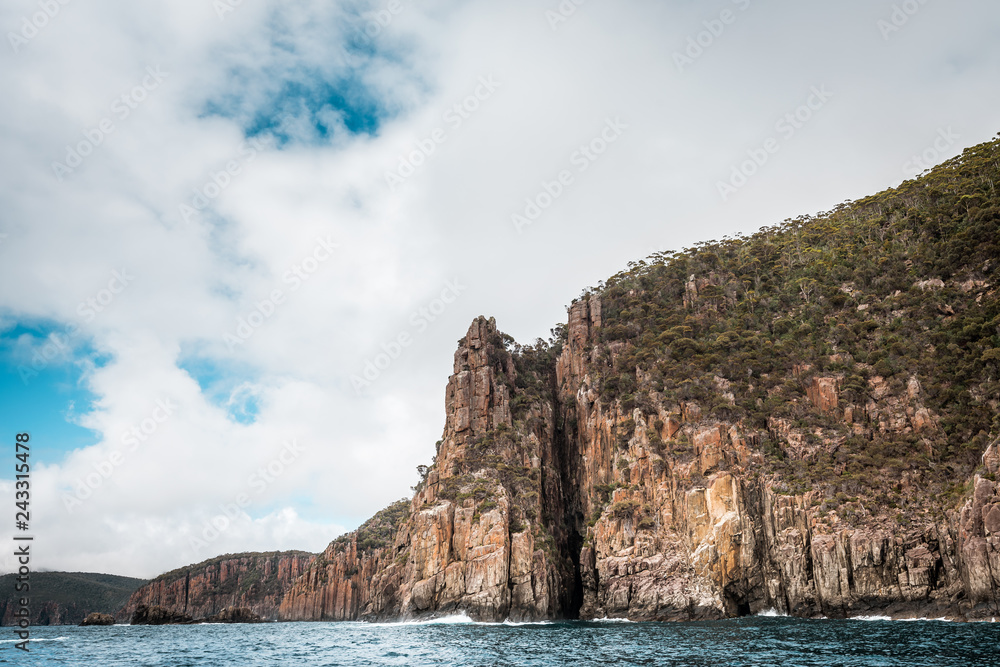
97	618
233	615
156	615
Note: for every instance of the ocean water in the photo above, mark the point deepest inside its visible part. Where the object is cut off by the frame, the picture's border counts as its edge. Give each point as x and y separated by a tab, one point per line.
759	640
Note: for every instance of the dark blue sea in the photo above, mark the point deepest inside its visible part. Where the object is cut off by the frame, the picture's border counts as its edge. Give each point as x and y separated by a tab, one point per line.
748	641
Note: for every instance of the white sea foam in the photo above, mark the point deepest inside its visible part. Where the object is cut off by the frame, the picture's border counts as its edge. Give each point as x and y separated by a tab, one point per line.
772	613
901	620
39	639
457	619
520	623
463	619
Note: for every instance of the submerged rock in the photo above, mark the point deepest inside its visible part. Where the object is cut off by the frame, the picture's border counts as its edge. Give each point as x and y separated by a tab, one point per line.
233	615
97	618
158	616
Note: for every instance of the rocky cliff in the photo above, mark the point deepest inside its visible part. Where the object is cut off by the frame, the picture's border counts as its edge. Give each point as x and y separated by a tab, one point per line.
485	533
804	420
577	508
797	421
254	581
688	521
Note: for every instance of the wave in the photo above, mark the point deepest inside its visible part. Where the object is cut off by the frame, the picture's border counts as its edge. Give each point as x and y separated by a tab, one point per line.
463	619
457	619
39	639
772	613
517	624
901	620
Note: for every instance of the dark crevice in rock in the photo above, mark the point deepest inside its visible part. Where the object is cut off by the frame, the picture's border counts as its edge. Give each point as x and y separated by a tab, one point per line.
576	592
572	504
736	605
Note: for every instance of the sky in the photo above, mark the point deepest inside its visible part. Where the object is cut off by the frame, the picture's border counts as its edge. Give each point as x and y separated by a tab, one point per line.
240	241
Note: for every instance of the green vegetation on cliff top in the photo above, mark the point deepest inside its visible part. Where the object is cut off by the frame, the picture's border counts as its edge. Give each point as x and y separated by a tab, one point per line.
180	572
845	293
379	531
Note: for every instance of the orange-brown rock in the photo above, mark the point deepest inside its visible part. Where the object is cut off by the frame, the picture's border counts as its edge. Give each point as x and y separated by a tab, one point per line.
256	582
822	391
475	538
562	504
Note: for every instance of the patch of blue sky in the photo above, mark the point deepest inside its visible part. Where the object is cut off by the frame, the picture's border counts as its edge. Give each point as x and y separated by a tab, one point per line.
306	110
307	508
43	371
227	385
318	80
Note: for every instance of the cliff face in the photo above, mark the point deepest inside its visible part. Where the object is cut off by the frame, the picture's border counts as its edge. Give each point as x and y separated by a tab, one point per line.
256	581
479	536
340	584
684	527
800	420
576	508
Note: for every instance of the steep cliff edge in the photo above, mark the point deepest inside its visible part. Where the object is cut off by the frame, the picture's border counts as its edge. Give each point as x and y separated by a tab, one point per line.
253	581
799	420
485	533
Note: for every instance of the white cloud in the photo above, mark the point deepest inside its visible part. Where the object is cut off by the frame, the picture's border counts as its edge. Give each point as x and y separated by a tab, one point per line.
654	188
